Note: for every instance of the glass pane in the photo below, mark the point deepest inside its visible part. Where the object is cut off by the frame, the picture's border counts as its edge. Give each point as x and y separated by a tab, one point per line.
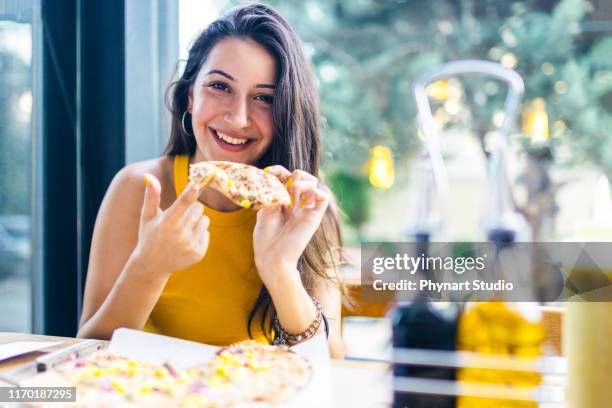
194	16
367	55
151	52
15	175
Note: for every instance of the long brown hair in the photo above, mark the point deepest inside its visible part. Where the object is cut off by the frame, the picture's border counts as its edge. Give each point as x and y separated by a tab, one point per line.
296	142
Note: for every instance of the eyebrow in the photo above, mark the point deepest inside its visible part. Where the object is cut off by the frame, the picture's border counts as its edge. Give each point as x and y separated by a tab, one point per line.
231	78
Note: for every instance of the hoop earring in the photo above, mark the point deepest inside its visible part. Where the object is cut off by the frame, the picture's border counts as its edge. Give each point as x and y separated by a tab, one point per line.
183	124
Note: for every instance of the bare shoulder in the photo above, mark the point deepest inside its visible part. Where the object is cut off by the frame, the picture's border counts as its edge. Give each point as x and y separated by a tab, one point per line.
134	172
128	183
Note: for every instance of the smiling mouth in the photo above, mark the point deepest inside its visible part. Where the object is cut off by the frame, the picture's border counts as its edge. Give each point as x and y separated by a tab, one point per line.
229	139
229	142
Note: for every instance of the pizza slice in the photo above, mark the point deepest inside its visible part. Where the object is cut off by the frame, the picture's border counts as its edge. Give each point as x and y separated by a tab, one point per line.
246	185
265	373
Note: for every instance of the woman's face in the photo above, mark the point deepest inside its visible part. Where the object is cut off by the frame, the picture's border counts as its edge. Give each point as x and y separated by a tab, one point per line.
231	102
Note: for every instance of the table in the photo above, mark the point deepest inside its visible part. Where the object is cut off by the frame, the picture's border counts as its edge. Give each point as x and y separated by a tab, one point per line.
355	384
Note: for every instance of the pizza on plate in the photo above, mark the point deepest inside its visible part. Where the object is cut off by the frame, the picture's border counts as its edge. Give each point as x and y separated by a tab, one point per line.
246	374
246	185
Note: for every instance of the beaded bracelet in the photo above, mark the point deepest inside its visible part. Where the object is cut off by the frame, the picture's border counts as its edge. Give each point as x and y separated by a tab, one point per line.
282	337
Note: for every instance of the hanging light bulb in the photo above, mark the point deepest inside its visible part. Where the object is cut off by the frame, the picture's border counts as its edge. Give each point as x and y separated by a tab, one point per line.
535	122
382	174
439	90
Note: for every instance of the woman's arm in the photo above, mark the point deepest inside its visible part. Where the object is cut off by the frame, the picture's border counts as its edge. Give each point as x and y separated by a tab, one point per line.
281	236
118	291
296	310
128	303
114	239
135	248
328	293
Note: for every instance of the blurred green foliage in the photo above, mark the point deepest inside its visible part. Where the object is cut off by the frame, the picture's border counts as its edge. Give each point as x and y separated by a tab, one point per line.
352	192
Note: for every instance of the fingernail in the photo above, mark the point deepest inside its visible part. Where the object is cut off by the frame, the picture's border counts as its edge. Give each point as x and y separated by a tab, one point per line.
267	169
303	202
289	182
146	180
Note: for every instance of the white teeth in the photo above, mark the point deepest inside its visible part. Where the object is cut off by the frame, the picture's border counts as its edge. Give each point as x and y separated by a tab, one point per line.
231	140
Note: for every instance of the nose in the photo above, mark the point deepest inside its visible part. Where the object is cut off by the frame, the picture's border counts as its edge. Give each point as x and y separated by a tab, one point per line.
237	114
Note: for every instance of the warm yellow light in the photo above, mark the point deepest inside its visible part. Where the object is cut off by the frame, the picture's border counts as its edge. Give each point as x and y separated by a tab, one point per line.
439	90
535	121
382	174
509	60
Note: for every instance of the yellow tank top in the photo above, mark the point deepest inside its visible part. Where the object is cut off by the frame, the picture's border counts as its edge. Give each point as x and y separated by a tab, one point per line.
210	301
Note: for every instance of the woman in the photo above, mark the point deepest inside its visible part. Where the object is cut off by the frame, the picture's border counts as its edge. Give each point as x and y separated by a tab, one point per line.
170	259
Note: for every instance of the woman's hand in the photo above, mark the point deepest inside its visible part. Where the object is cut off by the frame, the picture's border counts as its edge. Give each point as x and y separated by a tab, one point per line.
173	239
283	232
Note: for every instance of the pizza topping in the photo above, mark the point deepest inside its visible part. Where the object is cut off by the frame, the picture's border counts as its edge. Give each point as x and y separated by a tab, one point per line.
246	185
145	389
118	387
160	373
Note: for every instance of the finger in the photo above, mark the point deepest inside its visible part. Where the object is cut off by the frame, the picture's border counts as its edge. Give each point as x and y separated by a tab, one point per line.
152	197
201	234
303	175
189	195
203	244
321	198
279	171
299	188
318	200
193	214
201	225
307	200
269	211
296	177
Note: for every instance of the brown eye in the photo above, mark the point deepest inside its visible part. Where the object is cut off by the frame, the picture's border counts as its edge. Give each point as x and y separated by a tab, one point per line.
265	98
219	86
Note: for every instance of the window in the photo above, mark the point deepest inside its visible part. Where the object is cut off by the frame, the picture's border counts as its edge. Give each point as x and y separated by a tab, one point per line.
15	169
367	55
151	54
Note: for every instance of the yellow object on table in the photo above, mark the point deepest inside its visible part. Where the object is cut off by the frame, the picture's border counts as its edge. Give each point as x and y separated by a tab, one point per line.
589	349
494	328
588	318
